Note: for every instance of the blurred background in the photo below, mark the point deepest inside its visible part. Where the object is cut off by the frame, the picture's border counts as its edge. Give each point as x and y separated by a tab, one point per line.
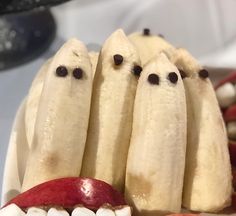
205	27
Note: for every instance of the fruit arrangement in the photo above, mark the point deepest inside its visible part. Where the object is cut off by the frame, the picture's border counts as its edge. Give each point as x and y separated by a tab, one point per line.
134	129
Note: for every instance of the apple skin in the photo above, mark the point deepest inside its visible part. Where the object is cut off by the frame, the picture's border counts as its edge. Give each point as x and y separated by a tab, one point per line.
230	78
234	200
230	114
68	192
232	152
234	177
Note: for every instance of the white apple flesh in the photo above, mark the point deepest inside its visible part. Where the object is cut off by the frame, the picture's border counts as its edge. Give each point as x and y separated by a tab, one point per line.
231	130
11	210
103	211
82	211
125	211
57	212
33	211
226	95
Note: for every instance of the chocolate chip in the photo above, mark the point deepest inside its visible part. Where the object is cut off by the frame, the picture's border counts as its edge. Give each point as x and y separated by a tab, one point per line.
61	71
161	35
78	73
146	31
153	79
203	73
173	77
137	70
118	59
182	73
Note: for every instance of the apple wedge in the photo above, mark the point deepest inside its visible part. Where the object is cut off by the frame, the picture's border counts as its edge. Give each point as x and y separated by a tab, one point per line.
232	152
234	200
230	78
69	192
230	114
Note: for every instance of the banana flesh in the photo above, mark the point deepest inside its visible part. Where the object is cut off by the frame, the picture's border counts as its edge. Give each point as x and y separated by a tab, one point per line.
18	150
207	185
111	111
94	60
149	46
156	159
62	118
32	102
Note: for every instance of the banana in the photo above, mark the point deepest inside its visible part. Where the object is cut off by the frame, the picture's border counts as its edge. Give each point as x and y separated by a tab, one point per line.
15	162
94	60
207	184
62	118
156	158
21	137
149	45
111	111
32	102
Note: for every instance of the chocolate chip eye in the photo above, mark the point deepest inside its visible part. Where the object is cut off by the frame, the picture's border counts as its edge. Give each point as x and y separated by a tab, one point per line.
146	31
61	71
182	74
137	70
118	59
153	79
173	77
203	73
78	73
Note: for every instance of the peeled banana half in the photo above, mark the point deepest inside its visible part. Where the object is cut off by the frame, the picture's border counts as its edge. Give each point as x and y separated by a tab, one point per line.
156	159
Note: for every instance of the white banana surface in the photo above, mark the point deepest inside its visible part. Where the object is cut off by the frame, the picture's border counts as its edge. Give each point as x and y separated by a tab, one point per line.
150	45
207	185
111	112
18	150
156	159
62	117
32	102
94	60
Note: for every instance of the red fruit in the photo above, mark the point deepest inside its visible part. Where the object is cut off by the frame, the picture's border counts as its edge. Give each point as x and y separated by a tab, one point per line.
232	152
234	200
230	114
68	192
230	78
234	177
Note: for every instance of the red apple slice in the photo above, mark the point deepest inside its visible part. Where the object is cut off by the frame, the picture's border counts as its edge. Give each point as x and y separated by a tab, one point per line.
230	114
234	200
68	192
232	152
230	78
234	177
